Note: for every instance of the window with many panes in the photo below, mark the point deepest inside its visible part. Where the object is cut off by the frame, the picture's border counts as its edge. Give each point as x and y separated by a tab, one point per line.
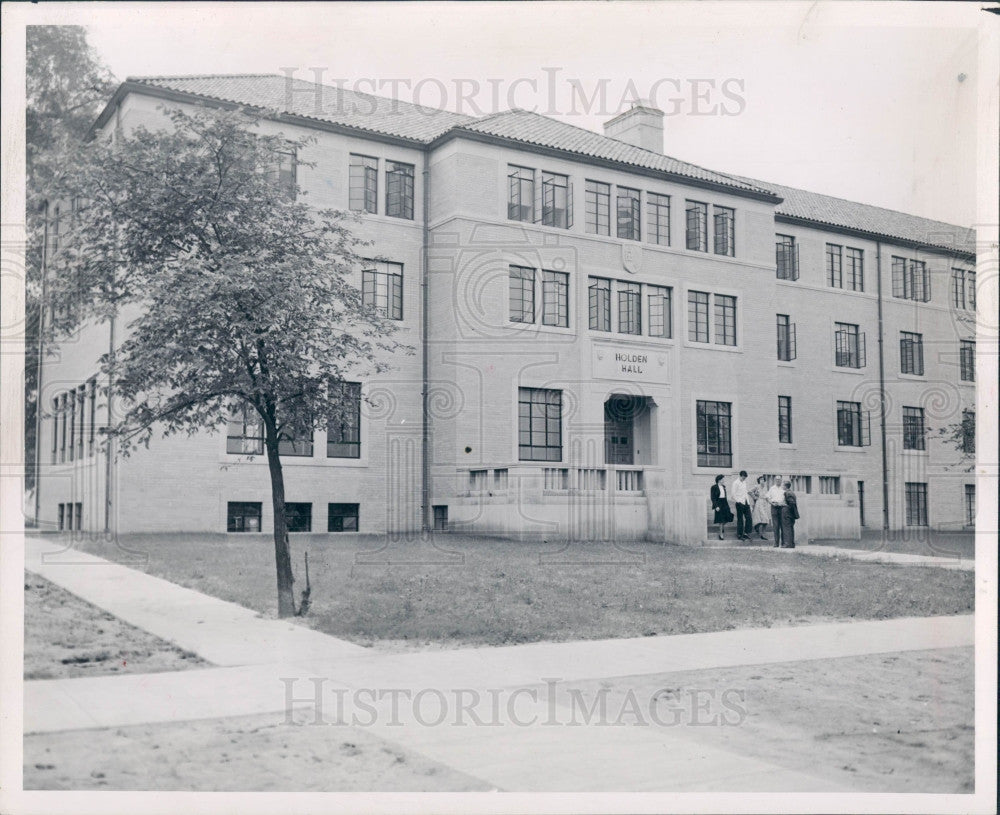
911	353
785	419
599	303
970	504
658	218
787	350
629	214
363	184
834	266
714	429
287	171
913	428
382	289
910	280
854	271
555	298
598	204
71	445
724	230
521	294
963	289
342	517
849	346
399	190
557	201
698	316
786	257
520	193
968	432
539	424
629	308
853	425
696	214
829	485
298	516
660	299
296	443
92	397
967	360
245	433
343	429
243	516
916	503
725	319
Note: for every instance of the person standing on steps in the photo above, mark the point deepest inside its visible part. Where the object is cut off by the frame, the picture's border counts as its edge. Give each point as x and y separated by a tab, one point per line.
742	500
761	507
776	497
789	515
720	503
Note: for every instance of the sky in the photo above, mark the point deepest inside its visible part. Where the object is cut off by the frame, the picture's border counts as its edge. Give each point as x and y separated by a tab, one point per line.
867	101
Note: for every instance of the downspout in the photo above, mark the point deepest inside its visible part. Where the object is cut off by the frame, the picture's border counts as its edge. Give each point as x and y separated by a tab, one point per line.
425	460
40	367
881	390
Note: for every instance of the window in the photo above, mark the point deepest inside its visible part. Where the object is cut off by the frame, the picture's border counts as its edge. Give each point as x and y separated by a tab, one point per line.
714	421
829	485
92	394
834	266
786	257
287	168
291	443
81	412
660	299
55	429
557	201
913	428
342	517
555	298
598	200
850	346
916	503
629	308
243	516
629	213
967	360
245	434
724	230
363	183
71	446
968	441
62	425
911	353
786	338
78	523
853	426
725	320
520	193
658	218
698	316
298	517
697	226
599	295
399	190
855	280
785	419
522	294
539	424
963	289
910	280
62	517
343	431
970	504
801	484
440	518
382	289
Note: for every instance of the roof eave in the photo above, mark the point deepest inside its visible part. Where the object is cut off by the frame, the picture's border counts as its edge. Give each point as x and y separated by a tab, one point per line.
873	236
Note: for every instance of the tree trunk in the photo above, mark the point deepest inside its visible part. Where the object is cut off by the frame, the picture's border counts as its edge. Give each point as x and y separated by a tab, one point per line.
282	552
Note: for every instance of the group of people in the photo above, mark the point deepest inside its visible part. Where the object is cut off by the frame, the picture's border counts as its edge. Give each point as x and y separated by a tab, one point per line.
756	508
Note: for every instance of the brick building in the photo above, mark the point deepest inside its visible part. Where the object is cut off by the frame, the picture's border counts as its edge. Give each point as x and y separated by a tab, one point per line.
600	330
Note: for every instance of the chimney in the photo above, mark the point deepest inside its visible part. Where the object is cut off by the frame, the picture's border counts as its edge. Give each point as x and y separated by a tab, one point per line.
641	125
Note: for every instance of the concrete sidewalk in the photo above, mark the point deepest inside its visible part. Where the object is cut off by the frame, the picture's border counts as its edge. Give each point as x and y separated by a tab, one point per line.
270	663
900	558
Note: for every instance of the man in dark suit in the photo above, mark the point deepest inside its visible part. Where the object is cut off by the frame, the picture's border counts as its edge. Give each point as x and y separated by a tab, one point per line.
789	515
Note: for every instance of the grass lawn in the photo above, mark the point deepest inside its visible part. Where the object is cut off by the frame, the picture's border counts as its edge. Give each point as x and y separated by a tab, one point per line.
474	591
915	541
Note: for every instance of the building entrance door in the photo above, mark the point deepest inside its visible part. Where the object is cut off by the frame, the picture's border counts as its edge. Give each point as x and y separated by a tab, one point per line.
619	429
861	501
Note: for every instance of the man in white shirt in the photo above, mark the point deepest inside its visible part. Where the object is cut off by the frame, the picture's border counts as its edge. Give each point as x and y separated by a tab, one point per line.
776	495
742	501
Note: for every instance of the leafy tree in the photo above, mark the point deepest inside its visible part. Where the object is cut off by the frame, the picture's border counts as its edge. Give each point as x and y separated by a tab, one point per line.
239	295
961	437
66	85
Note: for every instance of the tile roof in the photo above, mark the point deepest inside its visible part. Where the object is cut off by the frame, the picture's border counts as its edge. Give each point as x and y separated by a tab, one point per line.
323	103
424	125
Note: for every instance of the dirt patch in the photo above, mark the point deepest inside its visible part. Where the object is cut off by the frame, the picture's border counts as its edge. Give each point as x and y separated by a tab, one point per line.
901	722
67	637
251	753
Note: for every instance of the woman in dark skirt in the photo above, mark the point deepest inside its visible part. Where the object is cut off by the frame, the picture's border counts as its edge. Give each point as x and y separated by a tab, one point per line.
720	503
